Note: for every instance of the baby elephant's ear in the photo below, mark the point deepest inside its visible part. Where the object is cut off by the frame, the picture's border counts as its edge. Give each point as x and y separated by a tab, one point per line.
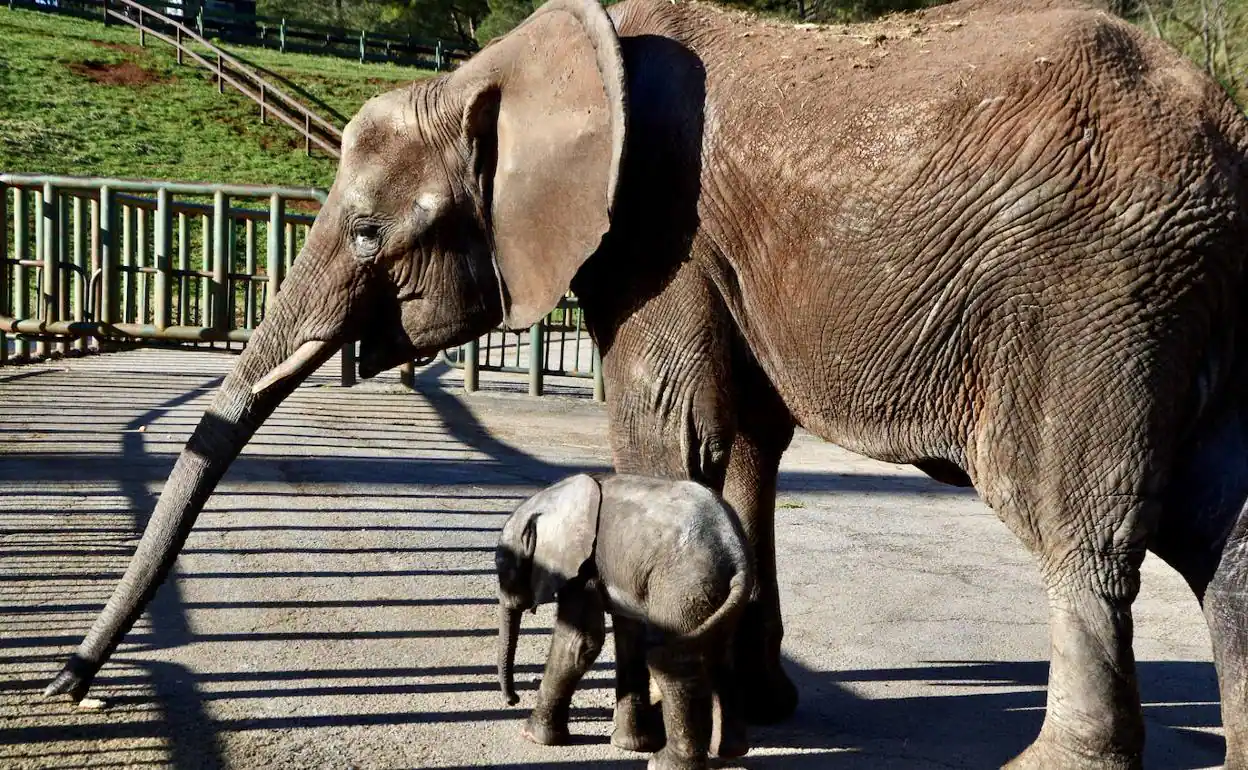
566	529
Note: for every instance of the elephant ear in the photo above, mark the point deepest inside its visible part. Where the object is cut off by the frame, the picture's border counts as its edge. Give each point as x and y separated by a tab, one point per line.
546	118
567	527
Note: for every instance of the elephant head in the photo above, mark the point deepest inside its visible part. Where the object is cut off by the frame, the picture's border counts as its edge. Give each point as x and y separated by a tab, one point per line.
459	201
544	544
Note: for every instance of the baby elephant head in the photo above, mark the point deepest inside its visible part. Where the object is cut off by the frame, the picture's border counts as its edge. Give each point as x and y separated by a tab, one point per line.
544	544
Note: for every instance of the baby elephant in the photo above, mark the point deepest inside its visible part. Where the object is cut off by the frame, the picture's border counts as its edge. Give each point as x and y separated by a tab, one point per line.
670	563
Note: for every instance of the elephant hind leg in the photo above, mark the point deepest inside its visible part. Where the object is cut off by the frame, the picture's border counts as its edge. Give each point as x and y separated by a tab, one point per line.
1093	718
1089	527
1203	534
685	685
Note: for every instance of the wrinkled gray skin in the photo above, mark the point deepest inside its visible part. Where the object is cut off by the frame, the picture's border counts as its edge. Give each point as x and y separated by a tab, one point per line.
670	563
1004	242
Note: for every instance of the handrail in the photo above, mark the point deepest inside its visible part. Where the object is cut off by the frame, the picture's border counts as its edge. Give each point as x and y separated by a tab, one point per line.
151	185
284	109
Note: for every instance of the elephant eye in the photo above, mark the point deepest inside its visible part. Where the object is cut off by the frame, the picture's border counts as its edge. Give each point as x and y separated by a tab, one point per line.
366	237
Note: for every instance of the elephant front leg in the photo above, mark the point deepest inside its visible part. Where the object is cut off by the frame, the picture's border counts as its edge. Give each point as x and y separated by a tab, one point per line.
574	646
767	694
638	723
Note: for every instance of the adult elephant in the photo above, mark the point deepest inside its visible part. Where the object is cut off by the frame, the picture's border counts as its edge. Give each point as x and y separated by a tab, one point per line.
1004	242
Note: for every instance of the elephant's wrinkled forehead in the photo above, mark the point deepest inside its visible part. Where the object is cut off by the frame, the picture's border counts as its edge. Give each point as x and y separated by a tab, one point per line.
383	121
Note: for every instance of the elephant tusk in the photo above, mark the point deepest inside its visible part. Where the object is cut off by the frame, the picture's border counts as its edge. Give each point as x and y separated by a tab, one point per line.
307	353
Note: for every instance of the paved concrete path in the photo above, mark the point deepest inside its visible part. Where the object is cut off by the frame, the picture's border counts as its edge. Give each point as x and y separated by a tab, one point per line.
333	608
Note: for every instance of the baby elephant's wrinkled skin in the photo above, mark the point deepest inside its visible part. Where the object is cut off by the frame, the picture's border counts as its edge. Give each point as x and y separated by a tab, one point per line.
670	563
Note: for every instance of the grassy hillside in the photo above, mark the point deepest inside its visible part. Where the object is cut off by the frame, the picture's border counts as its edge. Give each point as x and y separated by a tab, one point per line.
79	98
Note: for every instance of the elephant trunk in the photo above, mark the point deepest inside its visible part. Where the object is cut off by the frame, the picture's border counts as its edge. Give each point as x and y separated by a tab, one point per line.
264	375
508	636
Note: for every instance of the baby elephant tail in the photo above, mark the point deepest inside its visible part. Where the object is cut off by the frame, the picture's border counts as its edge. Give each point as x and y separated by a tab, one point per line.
724	619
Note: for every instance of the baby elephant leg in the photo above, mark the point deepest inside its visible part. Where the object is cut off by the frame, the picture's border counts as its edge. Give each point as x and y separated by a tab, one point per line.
638	724
685	685
730	738
574	646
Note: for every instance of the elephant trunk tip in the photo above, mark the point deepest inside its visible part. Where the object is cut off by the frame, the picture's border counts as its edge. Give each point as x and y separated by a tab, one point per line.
74	678
510	696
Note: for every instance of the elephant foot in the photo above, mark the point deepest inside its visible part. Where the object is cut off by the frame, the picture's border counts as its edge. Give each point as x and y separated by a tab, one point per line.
670	760
544	733
767	696
1046	753
640	731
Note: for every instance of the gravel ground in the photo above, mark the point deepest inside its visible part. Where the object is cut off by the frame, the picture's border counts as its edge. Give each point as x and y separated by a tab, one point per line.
334	605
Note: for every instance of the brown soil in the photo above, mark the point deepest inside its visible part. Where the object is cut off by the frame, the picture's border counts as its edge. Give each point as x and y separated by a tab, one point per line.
124	73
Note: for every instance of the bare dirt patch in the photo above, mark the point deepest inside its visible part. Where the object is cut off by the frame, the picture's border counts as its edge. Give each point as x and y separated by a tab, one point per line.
123	73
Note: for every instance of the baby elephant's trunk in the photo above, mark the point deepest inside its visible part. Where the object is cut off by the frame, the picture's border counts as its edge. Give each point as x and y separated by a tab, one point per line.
508	635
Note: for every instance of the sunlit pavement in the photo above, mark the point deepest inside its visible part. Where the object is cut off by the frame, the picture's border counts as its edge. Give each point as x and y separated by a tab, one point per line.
334	605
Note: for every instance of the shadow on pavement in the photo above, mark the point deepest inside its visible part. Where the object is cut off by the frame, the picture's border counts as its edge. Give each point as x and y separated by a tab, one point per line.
59	562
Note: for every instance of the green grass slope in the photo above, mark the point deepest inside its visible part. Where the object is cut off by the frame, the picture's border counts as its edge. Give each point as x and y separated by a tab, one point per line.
77	97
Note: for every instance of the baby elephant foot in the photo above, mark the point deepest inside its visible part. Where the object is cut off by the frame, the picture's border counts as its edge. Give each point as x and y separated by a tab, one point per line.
670	760
731	746
640	731
545	732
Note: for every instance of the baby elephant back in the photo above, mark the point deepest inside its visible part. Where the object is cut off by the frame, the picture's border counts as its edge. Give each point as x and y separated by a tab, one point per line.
671	553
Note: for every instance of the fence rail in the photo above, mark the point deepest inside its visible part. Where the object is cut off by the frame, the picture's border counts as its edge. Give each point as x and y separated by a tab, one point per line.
274	32
90	260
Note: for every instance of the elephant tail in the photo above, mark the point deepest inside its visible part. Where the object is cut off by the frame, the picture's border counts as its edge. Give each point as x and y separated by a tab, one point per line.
724	619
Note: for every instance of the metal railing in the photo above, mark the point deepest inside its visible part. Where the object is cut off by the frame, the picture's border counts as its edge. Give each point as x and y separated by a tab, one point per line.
90	261
363	45
93	257
225	69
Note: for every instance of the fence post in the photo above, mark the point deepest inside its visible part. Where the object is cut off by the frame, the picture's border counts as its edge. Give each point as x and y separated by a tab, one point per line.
205	261
362	34
348	364
50	312
108	257
142	31
199	20
184	264
281	41
177	35
307	134
142	280
220	260
103	6
274	259
470	366
261	101
220	77
164	243
4	268
600	386
536	359
21	281
81	276
437	57
249	267
127	261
